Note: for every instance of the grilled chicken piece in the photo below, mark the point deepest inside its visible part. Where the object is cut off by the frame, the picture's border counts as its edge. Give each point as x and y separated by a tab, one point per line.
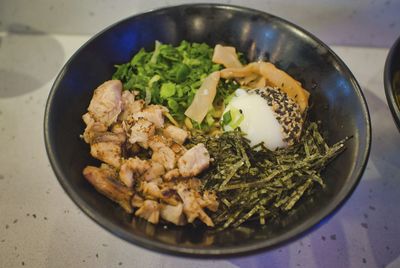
194	161
178	149
137	201
88	119
165	156
155	171
172	174
150	210
169	195
150	189
141	131
173	214
106	103
181	202
92	128
104	180
162	153
107	147
209	200
194	184
177	134
130	106
107	152
108	137
191	207
118	129
152	113
156	142
132	169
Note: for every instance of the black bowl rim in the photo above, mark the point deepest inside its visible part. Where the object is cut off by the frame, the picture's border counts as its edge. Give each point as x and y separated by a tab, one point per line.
304	228
387	79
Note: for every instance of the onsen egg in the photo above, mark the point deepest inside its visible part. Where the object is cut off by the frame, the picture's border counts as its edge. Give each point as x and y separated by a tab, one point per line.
265	115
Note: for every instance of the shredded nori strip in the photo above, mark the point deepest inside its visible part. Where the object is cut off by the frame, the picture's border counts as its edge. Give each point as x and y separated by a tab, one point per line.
257	183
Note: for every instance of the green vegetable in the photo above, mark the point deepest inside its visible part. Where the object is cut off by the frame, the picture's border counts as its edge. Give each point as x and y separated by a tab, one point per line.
256	183
226	118
182	72
232	119
156	52
170	76
167	90
209	119
173	105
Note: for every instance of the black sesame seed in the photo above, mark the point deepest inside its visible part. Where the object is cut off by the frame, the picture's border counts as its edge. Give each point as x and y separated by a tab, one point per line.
287	112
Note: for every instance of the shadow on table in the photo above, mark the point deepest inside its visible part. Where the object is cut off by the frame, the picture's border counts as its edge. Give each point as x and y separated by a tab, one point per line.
29	59
319	249
383	191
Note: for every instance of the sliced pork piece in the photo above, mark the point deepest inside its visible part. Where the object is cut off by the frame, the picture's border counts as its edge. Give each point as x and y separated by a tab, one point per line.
104	180
141	131
155	171
106	103
191	207
150	210
173	214
152	113
177	134
194	161
130	106
132	169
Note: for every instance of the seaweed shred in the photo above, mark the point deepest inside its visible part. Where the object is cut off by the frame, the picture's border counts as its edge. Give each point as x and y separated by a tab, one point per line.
256	183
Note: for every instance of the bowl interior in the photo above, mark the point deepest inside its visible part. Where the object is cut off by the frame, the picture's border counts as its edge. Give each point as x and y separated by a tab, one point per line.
392	81
335	96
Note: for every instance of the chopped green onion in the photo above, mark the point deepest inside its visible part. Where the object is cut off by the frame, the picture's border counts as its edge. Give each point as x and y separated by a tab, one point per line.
226	118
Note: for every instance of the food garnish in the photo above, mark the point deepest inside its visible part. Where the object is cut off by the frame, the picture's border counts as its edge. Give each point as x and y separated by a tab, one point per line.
255	182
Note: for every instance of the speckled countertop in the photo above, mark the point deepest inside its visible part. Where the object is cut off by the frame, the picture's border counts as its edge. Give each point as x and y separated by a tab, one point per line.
41	227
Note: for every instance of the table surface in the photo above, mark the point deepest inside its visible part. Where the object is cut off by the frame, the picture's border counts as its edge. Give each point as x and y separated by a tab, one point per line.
41	227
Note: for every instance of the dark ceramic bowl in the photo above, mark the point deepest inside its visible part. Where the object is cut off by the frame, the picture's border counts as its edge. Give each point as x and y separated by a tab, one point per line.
336	100
392	81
